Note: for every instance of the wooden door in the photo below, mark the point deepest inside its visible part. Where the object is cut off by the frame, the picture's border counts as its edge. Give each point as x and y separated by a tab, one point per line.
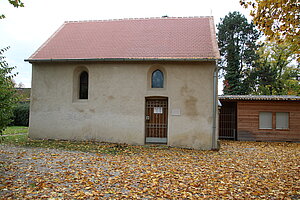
156	120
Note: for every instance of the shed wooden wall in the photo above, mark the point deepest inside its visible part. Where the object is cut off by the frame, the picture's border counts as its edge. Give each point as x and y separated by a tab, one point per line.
248	120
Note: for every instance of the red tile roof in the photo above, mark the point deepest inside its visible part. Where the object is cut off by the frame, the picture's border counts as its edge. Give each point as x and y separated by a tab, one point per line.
154	38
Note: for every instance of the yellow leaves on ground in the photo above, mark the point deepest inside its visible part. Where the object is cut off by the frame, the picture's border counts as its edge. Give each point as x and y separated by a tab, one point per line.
240	170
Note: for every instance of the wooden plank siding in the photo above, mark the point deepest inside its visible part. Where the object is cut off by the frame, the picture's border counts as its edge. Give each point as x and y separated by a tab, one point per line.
248	120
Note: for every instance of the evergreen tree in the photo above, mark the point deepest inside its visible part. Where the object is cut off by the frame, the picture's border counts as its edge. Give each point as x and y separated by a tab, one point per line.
237	42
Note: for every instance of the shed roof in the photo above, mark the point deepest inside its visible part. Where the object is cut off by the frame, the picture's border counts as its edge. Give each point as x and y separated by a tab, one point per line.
190	38
260	97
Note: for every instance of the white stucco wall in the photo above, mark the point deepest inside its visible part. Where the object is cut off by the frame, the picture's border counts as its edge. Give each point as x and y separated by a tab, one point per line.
115	110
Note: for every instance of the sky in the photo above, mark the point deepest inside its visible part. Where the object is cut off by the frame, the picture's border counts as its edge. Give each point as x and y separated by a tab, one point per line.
26	29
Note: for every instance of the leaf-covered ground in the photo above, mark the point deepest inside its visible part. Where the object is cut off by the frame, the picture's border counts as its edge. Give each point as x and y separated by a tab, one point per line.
240	170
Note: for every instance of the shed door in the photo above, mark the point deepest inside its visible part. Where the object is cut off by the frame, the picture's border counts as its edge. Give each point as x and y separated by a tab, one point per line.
228	121
156	120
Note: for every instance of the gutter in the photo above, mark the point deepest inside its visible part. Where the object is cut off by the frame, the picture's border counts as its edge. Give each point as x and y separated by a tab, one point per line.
119	59
214	126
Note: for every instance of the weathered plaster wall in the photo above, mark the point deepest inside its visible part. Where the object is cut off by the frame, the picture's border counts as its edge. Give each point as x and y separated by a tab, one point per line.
115	110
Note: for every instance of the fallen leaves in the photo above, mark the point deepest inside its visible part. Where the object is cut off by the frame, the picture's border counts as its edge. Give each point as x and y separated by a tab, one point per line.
240	170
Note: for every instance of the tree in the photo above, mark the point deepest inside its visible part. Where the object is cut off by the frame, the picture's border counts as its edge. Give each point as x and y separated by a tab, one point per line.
8	98
15	3
278	20
237	42
20	85
275	72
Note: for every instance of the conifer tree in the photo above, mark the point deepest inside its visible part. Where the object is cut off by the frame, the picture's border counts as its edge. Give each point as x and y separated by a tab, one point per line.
237	42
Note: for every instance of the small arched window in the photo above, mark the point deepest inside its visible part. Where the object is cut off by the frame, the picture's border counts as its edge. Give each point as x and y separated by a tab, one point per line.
84	85
157	79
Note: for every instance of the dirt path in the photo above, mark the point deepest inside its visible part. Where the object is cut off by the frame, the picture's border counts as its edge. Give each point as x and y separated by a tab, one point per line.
240	170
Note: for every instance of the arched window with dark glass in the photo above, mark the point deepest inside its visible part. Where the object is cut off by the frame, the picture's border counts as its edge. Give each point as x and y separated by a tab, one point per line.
157	79
84	85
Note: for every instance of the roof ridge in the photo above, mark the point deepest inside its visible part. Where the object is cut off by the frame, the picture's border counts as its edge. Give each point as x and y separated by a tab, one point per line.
146	18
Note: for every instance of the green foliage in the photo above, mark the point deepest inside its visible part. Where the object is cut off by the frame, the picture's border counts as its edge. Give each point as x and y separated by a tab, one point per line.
24	94
275	72
8	98
15	3
237	42
21	115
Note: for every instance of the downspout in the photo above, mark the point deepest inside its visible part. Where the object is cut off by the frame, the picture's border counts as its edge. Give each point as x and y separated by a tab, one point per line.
214	126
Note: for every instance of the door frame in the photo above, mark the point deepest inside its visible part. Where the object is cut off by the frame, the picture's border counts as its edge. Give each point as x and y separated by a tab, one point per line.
167	117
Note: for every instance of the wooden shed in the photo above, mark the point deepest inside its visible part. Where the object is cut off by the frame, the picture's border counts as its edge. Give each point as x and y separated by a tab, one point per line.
259	118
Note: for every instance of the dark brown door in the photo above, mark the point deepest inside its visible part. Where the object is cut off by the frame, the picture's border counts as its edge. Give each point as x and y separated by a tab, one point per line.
156	120
227	121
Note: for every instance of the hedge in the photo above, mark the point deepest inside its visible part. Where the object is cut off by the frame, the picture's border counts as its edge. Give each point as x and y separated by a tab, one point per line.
21	115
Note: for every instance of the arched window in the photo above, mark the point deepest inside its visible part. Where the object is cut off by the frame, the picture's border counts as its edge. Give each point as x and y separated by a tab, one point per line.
84	85
157	79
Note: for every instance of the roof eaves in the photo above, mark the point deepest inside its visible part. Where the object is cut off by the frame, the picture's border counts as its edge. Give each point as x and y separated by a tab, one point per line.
120	59
259	97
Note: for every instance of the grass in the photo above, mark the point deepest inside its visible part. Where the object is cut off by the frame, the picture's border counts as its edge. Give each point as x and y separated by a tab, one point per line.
15	130
85	146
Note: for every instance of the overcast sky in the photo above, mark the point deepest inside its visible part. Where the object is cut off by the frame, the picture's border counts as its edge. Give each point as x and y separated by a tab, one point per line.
25	29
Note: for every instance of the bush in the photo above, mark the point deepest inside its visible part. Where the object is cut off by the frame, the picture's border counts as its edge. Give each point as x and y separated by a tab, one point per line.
8	97
21	115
